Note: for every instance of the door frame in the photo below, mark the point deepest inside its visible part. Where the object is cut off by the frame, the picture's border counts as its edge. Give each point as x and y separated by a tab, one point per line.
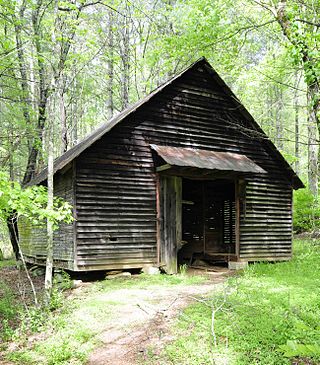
176	211
169	221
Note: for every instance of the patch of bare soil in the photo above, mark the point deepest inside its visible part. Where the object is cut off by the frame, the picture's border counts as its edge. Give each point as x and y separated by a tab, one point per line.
302	361
146	320
19	284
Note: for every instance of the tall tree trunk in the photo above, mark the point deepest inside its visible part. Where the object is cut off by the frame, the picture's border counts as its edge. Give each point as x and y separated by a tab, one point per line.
278	117
43	97
64	129
270	125
74	112
110	65
296	127
12	219
51	118
26	97
49	261
308	60
125	57
13	234
313	90
312	152
12	222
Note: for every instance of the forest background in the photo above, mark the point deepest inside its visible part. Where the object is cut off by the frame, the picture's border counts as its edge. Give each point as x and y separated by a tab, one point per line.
67	66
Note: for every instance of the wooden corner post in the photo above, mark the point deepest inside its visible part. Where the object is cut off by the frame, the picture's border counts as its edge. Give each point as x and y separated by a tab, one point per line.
237	218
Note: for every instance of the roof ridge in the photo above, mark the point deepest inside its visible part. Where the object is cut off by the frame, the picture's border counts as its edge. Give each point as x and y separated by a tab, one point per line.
103	128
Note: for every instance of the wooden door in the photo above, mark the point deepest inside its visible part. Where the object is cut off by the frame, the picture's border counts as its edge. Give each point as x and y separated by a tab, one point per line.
170	221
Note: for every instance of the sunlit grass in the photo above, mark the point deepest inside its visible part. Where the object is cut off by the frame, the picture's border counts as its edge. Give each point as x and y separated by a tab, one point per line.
268	316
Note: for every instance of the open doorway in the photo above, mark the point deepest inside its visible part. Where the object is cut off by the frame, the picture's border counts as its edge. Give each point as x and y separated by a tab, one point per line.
208	220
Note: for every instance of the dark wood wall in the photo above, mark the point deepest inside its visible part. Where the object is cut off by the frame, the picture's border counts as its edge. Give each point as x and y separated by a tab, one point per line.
33	239
116	180
116	203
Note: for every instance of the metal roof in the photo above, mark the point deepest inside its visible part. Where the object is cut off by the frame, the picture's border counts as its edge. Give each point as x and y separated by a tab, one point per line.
203	159
75	151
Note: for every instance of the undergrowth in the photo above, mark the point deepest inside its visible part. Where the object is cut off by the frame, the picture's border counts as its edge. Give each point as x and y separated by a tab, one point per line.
9	308
69	332
7	263
19	316
268	316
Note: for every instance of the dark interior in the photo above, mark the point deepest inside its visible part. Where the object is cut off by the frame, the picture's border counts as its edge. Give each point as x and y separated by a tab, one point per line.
208	220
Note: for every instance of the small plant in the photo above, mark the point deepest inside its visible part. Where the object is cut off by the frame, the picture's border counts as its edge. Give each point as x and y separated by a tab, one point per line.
32	319
6	330
183	269
62	280
293	348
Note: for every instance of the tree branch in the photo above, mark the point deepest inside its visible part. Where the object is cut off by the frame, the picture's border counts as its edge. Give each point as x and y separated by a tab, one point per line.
242	29
317	25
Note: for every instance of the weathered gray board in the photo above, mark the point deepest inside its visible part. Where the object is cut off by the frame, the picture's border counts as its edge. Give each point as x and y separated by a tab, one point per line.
170	221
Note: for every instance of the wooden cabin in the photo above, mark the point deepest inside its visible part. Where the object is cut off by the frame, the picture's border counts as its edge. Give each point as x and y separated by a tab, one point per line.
185	172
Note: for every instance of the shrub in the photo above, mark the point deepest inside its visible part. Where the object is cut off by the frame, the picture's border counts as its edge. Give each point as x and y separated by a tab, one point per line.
306	211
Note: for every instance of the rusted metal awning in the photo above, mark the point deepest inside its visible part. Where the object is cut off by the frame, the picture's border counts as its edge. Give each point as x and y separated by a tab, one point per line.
203	159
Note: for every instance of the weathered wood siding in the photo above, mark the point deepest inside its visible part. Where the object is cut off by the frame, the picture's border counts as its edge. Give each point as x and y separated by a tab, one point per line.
33	238
116	204
116	180
170	221
266	221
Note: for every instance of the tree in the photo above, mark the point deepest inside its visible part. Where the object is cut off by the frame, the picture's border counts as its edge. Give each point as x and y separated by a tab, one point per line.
31	204
107	54
299	22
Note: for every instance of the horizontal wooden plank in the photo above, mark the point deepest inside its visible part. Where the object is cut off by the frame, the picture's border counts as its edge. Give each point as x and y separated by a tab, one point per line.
98	235
117	245
120	260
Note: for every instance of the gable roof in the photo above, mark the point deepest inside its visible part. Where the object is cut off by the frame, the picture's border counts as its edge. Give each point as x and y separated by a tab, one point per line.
75	151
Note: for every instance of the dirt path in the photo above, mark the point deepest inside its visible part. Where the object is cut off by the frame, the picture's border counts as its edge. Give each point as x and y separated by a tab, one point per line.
146	320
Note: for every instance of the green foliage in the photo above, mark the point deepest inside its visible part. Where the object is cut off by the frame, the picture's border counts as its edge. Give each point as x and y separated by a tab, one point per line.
306	211
183	269
7	263
32	320
269	316
9	308
164	37
71	330
61	283
17	321
62	280
293	348
31	203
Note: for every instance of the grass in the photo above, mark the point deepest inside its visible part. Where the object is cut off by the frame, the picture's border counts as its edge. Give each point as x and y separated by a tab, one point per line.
71	332
7	263
9	306
268	316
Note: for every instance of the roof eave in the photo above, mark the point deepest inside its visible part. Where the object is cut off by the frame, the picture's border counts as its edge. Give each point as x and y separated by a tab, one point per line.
75	151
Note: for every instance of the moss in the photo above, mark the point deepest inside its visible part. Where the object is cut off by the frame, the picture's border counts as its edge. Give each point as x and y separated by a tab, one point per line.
25	234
